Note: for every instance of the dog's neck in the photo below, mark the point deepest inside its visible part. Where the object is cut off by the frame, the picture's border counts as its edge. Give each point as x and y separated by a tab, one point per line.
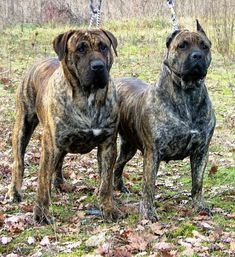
177	79
194	92
186	98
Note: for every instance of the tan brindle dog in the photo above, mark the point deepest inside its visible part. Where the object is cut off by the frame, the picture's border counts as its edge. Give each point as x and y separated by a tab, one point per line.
74	99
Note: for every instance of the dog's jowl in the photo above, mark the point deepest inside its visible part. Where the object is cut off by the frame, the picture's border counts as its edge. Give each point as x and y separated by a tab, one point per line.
74	99
171	120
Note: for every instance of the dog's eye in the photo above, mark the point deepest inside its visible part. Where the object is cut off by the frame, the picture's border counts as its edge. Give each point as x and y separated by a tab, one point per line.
82	48
183	45
204	46
103	48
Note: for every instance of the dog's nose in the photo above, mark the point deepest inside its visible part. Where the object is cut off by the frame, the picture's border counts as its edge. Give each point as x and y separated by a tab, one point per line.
196	56
97	65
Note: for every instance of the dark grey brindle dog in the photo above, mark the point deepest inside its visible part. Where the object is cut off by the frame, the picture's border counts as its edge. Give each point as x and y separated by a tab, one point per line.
171	120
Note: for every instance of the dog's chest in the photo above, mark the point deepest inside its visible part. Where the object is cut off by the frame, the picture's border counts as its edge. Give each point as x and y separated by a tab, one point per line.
185	129
79	131
179	141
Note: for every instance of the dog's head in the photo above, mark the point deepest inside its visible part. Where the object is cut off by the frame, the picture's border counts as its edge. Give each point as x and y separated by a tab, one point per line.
188	54
87	55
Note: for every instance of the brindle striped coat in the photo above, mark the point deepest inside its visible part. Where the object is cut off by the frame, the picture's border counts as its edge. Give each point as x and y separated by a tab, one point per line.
74	99
171	120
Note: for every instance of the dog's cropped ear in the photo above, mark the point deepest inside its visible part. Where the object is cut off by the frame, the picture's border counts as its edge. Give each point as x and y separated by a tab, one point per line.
60	43
171	37
112	39
199	27
201	30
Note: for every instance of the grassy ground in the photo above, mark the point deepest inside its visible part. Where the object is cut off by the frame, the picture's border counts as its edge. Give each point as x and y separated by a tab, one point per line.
179	232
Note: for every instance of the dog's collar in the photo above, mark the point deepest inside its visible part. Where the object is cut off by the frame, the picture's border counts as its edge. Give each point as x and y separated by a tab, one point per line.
176	76
179	80
172	71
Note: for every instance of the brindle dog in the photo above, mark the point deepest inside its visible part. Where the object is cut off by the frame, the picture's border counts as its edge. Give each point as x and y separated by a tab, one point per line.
171	120
74	99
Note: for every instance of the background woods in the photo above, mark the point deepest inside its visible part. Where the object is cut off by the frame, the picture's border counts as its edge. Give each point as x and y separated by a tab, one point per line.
217	13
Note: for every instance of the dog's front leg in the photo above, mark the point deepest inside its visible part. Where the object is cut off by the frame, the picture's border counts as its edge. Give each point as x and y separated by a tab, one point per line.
198	165
151	165
107	153
47	166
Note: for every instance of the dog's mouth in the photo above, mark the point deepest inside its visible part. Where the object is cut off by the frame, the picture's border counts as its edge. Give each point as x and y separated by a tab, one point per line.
96	80
100	80
195	72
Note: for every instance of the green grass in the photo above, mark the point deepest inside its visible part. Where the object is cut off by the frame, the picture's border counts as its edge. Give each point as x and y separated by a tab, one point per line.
185	230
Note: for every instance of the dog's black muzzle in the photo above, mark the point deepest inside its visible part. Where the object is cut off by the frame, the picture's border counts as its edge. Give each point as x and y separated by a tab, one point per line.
99	73
195	66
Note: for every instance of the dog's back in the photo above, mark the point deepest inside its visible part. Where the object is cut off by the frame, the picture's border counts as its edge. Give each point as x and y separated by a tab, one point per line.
36	80
132	94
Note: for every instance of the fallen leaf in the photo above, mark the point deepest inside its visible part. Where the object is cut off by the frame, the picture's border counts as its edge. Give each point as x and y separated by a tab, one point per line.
2	217
232	246
5	240
214	247
137	243
206	226
81	199
5	81
213	170
156	228
96	240
104	249
37	254
122	251
193	240
199	235
125	233
229	215
31	240
226	237
140	228
163	246
188	252
12	255
185	244
26	207
144	222
45	241
17	223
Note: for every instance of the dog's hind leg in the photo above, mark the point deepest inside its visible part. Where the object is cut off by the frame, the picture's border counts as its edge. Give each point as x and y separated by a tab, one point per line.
127	151
50	158
58	182
25	124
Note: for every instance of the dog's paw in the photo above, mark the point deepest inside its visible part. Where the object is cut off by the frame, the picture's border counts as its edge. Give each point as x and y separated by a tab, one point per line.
122	189
119	186
110	215
13	196
64	187
147	213
203	209
41	216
